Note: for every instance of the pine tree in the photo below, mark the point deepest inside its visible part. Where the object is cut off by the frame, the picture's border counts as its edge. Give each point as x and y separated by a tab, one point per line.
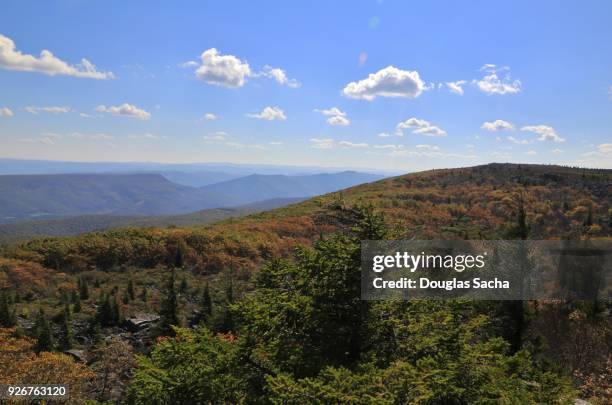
83	289
184	286
130	289
206	303
44	334
7	314
66	338
144	294
169	309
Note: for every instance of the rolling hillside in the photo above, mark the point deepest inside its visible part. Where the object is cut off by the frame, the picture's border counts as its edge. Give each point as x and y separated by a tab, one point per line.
53	196
226	277
88	223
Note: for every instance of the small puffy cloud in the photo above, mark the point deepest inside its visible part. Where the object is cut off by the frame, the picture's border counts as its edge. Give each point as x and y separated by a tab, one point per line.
6	112
189	64
279	76
456	87
335	116
428	147
210	117
125	110
518	141
491	83
222	70
321	143
546	133
275	143
215	136
347	144
556	151
531	152
497	125
603	150
230	71
52	109
269	114
46	63
387	82
420	127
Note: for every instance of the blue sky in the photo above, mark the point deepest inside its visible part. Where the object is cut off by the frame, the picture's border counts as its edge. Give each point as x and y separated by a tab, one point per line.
446	83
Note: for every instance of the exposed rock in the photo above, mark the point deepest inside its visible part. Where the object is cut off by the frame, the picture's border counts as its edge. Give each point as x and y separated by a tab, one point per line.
140	322
79	355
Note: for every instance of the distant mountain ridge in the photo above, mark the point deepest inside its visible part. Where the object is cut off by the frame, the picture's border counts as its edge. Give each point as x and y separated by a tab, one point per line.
60	195
88	223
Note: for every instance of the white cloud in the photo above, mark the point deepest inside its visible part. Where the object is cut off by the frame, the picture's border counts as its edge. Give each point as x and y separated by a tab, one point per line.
210	117
518	141
126	110
321	143
347	144
216	136
6	112
230	71
52	109
602	150
531	152
47	63
387	82
189	64
147	136
556	151
48	138
275	143
280	76
388	146
336	116
492	84
497	125
456	87
95	137
546	133
420	127
428	147
269	114
222	70
238	145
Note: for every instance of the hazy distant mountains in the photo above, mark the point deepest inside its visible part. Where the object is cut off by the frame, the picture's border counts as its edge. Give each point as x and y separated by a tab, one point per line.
60	195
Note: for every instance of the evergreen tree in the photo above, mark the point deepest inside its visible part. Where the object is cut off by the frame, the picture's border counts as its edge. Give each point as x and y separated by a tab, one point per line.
44	333
66	338
144	294
7	314
130	290
206	303
83	289
184	286
169	309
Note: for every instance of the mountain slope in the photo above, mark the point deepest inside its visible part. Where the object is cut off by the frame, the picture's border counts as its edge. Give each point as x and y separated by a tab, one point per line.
262	187
89	223
35	196
52	196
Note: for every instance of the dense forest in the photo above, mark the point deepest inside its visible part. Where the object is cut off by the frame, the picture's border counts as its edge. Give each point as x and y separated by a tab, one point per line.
267	309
